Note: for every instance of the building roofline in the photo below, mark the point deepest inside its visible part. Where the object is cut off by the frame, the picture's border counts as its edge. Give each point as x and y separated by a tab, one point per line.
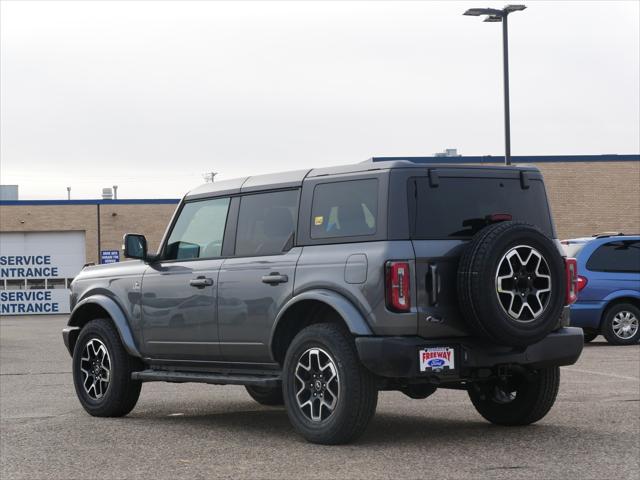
295	178
516	159
131	201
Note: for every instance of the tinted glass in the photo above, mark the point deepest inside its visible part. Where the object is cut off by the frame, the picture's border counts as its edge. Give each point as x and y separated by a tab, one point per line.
15	284
36	283
620	256
266	223
57	282
199	230
345	209
459	207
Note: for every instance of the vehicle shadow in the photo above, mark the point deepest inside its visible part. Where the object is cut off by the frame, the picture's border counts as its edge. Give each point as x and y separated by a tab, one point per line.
607	344
386	428
402	429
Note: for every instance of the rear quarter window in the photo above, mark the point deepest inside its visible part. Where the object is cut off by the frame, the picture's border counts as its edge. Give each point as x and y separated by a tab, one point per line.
458	207
344	209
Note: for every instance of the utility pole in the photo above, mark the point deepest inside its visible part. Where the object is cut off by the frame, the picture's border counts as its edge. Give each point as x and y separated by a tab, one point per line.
209	176
495	15
68	193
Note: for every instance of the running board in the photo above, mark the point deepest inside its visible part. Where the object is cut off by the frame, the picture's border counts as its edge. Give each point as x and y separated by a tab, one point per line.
213	378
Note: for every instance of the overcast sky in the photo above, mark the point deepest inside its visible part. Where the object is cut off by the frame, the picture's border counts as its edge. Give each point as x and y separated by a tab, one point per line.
150	95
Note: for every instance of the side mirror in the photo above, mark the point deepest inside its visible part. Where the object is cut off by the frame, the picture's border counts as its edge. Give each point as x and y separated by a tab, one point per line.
135	246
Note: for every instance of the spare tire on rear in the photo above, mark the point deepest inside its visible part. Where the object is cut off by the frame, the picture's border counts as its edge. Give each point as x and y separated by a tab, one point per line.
511	284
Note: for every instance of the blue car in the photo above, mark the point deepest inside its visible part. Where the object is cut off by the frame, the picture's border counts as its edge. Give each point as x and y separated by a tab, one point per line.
608	287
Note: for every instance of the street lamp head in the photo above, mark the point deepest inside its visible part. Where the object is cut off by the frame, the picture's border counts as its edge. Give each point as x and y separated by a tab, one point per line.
476	12
513	8
494	15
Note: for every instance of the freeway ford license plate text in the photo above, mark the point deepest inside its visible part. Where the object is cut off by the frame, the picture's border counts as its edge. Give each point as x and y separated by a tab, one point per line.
436	359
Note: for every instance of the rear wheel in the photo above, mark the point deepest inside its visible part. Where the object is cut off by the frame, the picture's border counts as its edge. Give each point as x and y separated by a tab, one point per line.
102	371
330	397
521	399
621	324
266	395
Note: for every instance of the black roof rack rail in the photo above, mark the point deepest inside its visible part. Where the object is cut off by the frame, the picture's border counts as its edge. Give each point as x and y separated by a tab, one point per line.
608	234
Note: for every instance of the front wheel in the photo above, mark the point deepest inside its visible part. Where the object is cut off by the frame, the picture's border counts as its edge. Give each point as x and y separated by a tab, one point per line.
102	371
330	397
521	399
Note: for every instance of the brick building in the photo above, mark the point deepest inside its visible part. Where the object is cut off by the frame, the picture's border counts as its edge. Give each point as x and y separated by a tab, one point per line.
588	194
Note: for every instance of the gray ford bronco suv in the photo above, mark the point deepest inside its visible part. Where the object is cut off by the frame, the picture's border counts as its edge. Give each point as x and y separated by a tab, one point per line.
317	289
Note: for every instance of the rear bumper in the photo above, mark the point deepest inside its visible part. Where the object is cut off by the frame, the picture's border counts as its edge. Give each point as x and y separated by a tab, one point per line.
587	314
397	357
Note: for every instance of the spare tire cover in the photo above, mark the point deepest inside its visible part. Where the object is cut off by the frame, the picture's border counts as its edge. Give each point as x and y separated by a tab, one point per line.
511	284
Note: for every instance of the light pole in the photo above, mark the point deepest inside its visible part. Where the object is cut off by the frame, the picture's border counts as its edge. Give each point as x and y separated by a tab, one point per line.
495	15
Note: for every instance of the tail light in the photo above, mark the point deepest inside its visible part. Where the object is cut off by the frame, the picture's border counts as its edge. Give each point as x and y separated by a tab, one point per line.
582	282
398	286
571	273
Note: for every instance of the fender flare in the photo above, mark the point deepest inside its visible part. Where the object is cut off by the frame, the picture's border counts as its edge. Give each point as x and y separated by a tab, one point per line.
350	314
116	314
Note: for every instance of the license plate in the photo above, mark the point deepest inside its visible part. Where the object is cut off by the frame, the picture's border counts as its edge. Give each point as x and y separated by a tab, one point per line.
436	359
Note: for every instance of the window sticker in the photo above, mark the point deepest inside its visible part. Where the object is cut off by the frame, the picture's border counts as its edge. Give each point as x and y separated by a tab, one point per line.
319	220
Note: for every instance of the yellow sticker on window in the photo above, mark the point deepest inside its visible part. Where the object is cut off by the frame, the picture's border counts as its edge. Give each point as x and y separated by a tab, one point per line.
319	220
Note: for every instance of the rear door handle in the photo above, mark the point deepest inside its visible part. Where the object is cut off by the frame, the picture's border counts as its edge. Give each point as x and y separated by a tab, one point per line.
201	282
275	278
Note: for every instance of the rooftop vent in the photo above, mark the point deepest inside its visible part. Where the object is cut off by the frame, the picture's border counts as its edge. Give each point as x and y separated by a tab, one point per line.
448	152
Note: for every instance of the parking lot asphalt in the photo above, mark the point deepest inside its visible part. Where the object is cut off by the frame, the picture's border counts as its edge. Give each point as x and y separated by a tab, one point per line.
204	431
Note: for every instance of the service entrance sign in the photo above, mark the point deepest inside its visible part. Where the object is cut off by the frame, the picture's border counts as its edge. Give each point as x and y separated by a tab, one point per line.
36	269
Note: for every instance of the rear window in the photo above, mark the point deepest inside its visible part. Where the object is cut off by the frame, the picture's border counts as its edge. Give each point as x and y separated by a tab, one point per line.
458	207
344	209
619	256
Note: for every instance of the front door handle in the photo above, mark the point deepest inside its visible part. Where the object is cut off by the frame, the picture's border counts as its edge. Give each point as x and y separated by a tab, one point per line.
275	278
201	282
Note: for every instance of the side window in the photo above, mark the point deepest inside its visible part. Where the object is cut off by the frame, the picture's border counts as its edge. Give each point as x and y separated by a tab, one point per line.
620	256
266	223
344	209
199	230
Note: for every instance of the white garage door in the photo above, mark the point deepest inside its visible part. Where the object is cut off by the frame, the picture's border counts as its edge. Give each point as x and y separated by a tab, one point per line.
36	269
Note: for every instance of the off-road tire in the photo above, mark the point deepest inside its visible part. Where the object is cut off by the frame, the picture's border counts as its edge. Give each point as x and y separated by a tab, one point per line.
477	284
122	392
358	394
608	319
535	396
589	334
269	396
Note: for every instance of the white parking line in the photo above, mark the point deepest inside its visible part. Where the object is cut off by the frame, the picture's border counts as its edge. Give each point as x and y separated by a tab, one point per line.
622	377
